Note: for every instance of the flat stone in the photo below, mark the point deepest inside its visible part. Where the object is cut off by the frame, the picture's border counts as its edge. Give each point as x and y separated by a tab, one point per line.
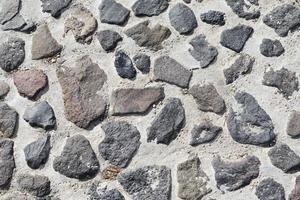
4	89
112	12
9	9
30	83
108	39
43	44
233	175
147	183
18	23
135	100
169	70
251	124
271	48
247	9
7	162
284	80
8	121
36	185
182	18
213	17
295	194
204	133
192	180
124	65
293	126
167	124
120	144
151	38
236	38
202	51
242	66
142	62
12	54
81	86
37	152
269	189
208	99
149	7
97	192
55	7
77	160
283	19
284	158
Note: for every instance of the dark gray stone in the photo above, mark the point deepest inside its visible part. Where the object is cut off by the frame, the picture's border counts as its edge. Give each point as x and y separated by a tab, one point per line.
36	185
124	65
293	126
4	89
108	39
269	189
203	133
8	121
18	23
271	48
142	62
7	162
247	9
213	17
55	7
187	1
112	12
9	9
96	192
149	7
295	194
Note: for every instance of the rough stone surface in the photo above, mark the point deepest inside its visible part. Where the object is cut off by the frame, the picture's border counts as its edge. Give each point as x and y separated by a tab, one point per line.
55	7
247	9
112	12
97	192
18	23
36	185
293	126
203	133
269	189
8	121
7	162
149	7
124	65
213	17
271	48
9	9
108	39
4	89
295	194
142	62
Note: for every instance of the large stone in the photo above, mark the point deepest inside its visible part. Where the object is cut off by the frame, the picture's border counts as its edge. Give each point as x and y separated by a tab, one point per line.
18	23
121	142
97	192
4	89
293	126
36	185
271	48
112	12
7	162
213	17
250	125
81	86
55	7
142	62
203	133
149	7
9	9
167	124
135	100
147	183
295	194
269	189
77	160
108	39
247	9
233	175
8	120
124	65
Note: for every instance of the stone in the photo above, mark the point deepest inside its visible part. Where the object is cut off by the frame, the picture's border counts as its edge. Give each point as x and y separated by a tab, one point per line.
271	48
81	86
37	152
77	160
9	9
208	99
242	66
4	89
284	158
293	126
187	1
97	192
108	39
284	80
182	19
18	23
124	65
213	17
135	100
247	9
8	121
7	162
36	185
192	180
112	12
236	38
168	123
121	142
269	189
111	172
295	194
204	133
55	7
142	62
147	183
43	44
30	83
149	7
250	124
170	71
12	54
202	51
151	38
233	175
283	19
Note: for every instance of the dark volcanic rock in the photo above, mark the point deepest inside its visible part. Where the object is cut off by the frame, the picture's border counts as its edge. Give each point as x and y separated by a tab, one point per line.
241	7
213	17
124	65
4	89
8	120
271	48
293	126
112	12
103	193
9	9
149	7
55	7
295	194
142	62
167	124
36	185
269	189
147	183
108	39
7	162
203	133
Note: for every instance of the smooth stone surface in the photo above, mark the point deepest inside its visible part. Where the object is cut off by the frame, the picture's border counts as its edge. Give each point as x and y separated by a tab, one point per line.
124	65
213	17
9	9
108	39
4	89
247	9
142	62
8	121
293	126
295	194
271	48
269	189
7	162
112	12
149	7
55	7
36	185
204	133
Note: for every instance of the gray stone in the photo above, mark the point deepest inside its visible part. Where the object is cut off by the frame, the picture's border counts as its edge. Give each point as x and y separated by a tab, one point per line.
120	144
108	39
55	7
147	183
18	23
112	12
142	62
295	194
7	162
203	133
4	89
233	175
202	51
169	70
9	9
271	48
187	1
213	17
247	9
36	185
269	189
8	121
293	126
236	37
77	160
124	65
250	125
149	7
97	192
167	124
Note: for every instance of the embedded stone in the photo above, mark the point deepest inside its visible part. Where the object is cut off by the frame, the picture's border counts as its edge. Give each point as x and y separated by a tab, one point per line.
55	7
271	48
269	189
204	133
108	39
97	192
149	7
18	23
124	65
8	121
213	17
36	185
9	9
112	12
7	162
295	194
247	9
4	89
293	126
142	62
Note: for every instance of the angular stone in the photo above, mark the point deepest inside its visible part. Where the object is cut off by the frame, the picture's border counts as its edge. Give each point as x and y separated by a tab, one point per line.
208	98
182	18
97	192
269	189
242	66
295	194
18	23
124	65
80	86
284	158
293	126
37	152
43	44
4	89
7	162
202	51
247	9
284	80
12	54
149	7
203	133
271	48
251	125
283	18
135	100
233	175
9	9
8	120
147	183
112	12
167	124
36	185
108	39
142	62
121	142
30	83
169	70
213	17
55	7
236	38
77	160
192	180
